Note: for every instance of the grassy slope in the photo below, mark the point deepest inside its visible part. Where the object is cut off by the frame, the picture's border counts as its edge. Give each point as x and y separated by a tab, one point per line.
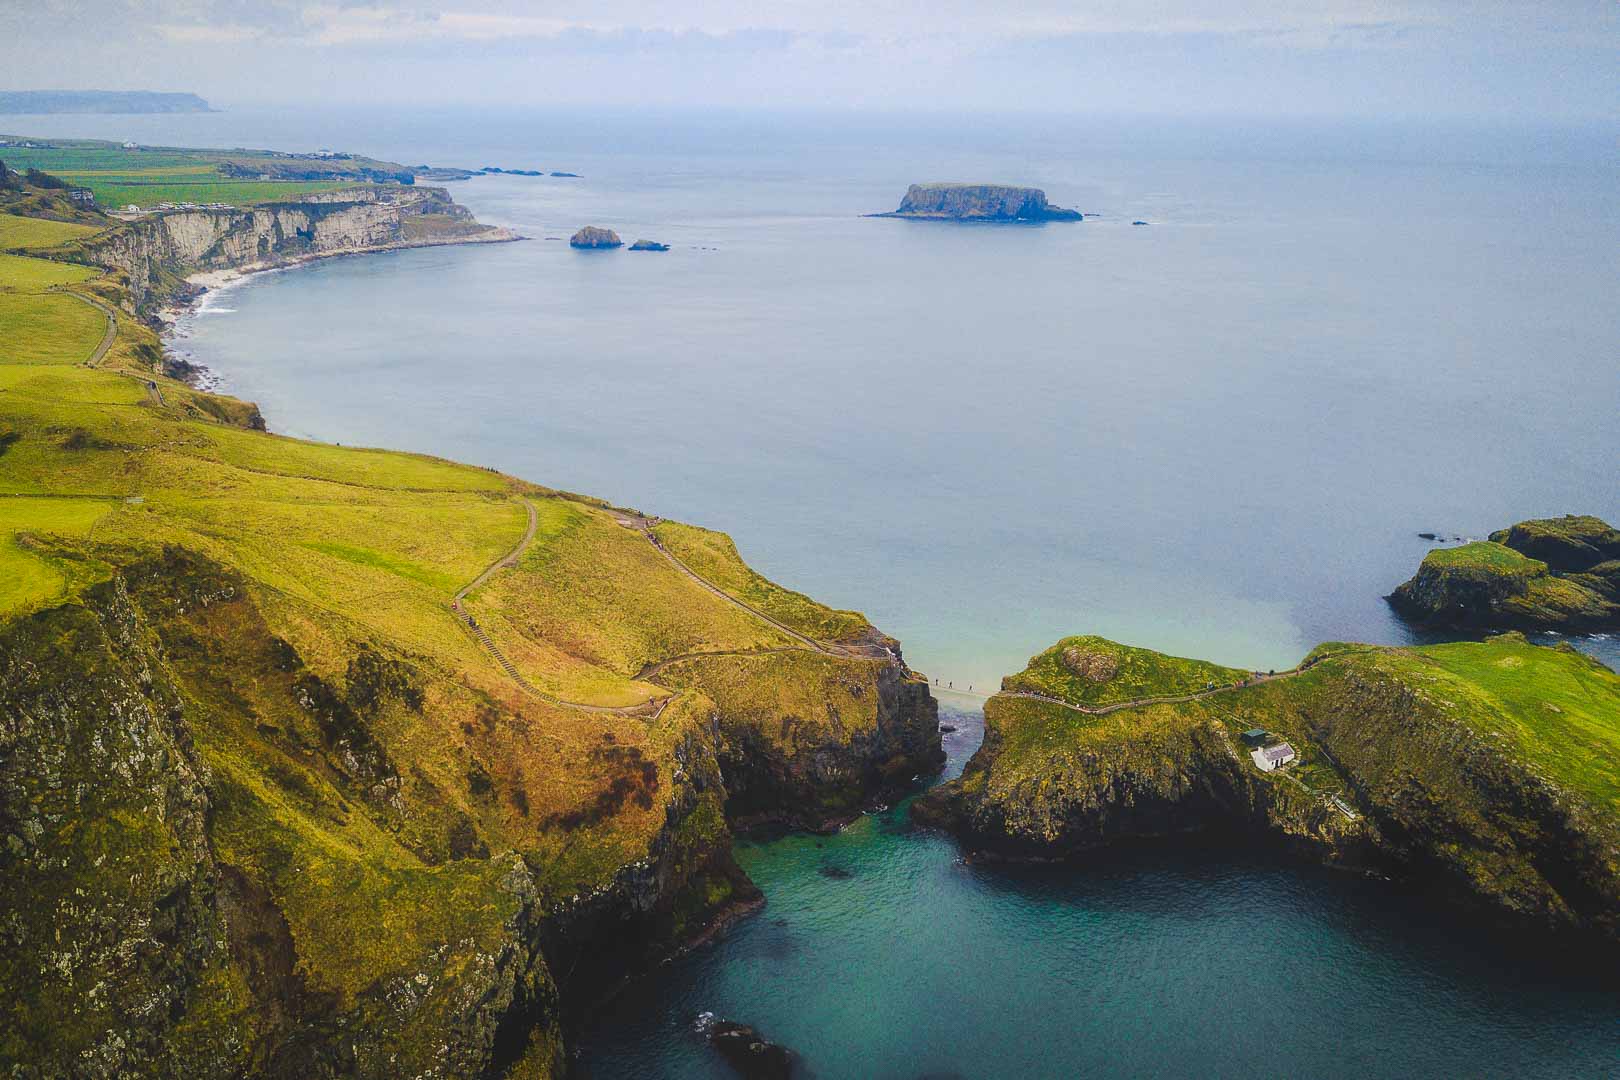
26	233
1485	555
38	326
331	555
1132	673
715	558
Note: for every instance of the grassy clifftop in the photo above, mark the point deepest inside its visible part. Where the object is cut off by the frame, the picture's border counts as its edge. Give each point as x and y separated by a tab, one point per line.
269	803
1488	766
1552	574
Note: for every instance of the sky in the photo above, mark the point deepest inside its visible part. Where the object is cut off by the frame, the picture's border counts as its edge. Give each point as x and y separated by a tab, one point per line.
1551	60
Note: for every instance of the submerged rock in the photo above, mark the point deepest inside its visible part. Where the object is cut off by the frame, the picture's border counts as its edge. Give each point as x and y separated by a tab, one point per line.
592	236
648	245
979	202
746	1051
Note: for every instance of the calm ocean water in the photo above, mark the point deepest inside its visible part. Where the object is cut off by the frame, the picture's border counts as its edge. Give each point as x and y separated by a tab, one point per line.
1217	435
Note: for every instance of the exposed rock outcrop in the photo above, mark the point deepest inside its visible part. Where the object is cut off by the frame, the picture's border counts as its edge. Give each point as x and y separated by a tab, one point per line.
979	202
1554	574
592	236
157	251
809	741
748	1052
648	245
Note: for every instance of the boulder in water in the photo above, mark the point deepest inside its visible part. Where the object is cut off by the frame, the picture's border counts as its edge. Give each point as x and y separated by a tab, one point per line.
746	1051
592	236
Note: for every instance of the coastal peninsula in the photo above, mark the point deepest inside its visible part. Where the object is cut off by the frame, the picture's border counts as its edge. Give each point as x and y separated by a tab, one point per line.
1559	574
322	761
978	202
1485	770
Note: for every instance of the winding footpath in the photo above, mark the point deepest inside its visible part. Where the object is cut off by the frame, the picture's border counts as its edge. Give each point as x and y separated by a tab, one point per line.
867	652
1169	699
651	709
153	391
654	707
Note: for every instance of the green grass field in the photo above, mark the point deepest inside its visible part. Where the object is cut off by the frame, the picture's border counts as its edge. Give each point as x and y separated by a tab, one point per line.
1485	555
47	328
28	579
113	195
36	275
1560	709
21	233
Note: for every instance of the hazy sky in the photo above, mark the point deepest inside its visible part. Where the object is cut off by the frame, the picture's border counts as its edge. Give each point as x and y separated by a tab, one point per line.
1555	59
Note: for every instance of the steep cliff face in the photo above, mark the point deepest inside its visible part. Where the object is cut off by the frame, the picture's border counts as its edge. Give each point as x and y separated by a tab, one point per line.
1486	769
980	202
224	853
156	251
158	859
808	741
1555	574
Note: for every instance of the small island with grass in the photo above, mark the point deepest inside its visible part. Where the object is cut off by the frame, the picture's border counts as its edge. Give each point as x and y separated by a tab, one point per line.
1559	574
1487	772
978	202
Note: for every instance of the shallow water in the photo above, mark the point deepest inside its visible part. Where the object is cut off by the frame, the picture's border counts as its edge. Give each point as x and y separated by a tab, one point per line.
1217	435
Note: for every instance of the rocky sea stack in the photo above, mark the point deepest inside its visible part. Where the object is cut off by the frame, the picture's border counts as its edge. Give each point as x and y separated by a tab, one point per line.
595	237
1484	770
1553	574
648	245
979	202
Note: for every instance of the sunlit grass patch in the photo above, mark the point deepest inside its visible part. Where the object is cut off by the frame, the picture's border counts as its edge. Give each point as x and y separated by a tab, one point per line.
38	233
1089	670
713	556
28	579
47	328
34	275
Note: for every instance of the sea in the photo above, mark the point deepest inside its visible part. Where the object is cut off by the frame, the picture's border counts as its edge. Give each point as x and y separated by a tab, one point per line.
1212	419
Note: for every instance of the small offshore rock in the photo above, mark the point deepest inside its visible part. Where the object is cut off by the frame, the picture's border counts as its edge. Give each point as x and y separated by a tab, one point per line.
946	729
746	1051
594	237
979	202
836	873
648	245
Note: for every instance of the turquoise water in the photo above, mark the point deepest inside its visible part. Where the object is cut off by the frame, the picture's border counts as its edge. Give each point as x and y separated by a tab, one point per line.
1206	963
1217	435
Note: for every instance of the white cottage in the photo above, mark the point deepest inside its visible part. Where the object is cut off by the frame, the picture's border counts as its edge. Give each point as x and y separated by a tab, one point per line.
1268	758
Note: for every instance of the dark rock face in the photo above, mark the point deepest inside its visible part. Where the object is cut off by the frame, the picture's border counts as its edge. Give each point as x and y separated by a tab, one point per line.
979	202
1568	545
648	245
819	776
746	1051
593	237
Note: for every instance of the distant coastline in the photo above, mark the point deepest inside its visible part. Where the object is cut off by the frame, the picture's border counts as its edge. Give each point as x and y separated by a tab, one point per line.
115	102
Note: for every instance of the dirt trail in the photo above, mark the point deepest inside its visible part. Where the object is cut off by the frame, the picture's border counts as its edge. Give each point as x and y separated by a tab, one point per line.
866	652
652	709
153	391
1169	699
